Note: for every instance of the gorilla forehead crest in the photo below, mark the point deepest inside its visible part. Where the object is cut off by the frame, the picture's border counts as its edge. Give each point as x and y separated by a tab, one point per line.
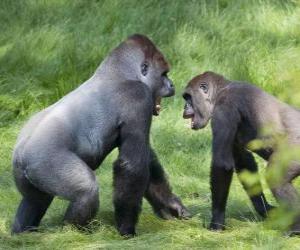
208	77
150	51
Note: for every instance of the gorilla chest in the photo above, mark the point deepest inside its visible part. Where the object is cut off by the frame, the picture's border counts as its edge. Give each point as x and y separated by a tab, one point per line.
93	147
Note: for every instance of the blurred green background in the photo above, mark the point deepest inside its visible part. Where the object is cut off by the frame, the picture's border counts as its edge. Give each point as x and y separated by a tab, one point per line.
49	47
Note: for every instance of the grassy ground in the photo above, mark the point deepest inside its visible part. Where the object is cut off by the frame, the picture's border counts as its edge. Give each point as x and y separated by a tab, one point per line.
49	47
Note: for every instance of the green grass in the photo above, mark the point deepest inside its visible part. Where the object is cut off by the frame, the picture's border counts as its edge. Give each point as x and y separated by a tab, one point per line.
47	48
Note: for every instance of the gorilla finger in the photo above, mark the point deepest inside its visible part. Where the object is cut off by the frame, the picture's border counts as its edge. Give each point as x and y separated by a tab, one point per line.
185	214
164	214
178	210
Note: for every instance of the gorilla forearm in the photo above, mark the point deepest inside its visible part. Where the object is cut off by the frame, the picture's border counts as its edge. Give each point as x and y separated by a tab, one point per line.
131	173
129	188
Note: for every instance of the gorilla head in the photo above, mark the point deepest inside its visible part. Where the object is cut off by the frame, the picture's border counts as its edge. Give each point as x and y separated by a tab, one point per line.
200	96
138	59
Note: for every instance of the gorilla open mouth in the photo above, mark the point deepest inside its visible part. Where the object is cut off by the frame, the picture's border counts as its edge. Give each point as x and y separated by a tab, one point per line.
196	122
157	106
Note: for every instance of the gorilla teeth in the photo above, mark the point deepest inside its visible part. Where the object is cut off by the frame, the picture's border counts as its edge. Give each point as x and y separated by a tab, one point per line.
192	121
158	108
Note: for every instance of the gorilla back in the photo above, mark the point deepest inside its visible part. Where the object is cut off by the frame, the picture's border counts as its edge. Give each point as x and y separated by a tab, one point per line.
59	147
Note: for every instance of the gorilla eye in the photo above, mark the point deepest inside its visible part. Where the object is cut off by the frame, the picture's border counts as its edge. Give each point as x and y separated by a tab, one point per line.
144	69
204	87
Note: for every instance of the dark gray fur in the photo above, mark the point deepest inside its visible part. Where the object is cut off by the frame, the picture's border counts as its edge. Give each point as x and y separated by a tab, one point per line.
238	112
58	149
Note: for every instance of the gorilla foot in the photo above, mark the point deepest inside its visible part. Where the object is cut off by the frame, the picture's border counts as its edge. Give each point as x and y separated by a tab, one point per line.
24	230
264	213
292	233
216	226
126	231
295	229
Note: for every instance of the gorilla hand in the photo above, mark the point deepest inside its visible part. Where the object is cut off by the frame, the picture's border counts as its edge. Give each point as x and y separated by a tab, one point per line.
174	208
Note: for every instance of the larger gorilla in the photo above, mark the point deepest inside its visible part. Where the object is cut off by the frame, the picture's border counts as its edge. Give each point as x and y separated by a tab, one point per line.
59	147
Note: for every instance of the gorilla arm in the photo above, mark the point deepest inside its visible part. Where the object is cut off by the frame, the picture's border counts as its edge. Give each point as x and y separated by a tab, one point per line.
159	194
222	162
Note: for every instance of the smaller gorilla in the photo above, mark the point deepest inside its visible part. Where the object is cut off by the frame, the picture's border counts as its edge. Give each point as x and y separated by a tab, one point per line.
238	111
60	147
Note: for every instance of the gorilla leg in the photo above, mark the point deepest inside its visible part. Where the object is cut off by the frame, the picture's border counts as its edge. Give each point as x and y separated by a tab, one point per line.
286	194
84	208
32	207
67	176
159	194
245	160
83	193
29	214
220	183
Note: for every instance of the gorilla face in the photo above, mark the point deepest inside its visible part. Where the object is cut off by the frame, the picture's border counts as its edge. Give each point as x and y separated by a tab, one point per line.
198	102
155	74
139	59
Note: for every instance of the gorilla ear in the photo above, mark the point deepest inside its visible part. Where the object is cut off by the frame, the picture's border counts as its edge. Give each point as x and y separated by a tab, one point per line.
144	68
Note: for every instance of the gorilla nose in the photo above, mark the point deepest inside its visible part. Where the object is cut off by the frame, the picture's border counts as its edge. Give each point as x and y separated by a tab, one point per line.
171	88
171	91
171	84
